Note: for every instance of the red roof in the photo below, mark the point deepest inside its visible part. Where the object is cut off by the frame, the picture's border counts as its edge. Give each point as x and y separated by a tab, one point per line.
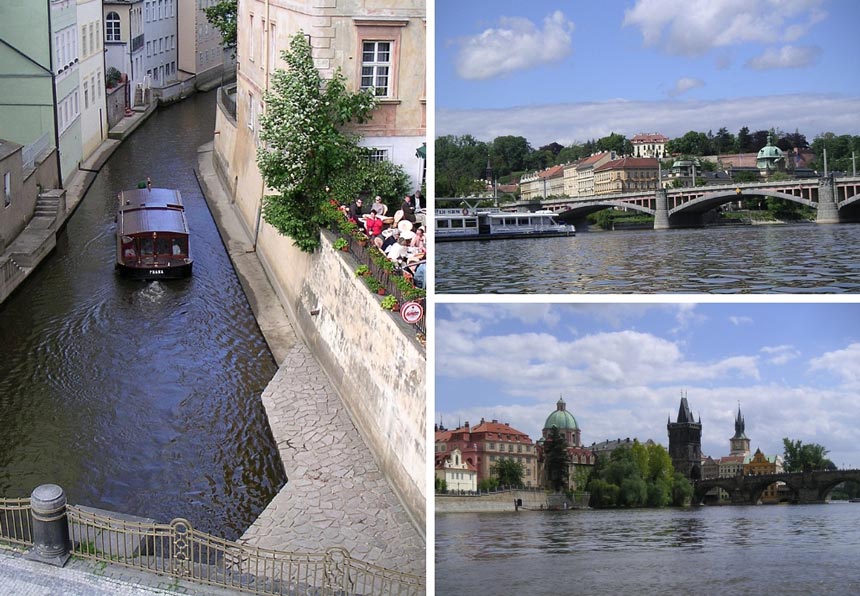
552	172
628	163
649	137
592	159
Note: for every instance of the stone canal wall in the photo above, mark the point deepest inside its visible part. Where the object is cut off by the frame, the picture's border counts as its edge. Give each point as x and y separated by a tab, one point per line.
503	501
372	360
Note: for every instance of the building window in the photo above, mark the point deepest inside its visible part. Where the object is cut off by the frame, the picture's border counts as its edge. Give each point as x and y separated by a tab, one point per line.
112	27
376	66
86	95
7	189
251	37
377	155
251	115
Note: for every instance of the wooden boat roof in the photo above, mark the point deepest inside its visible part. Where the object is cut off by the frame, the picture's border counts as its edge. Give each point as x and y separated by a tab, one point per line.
156	197
151	210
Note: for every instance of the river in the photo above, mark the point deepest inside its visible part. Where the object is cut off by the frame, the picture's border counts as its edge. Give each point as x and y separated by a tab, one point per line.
140	397
779	549
800	258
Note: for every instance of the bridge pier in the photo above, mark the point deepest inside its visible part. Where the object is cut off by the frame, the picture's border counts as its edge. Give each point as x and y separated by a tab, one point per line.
828	212
661	213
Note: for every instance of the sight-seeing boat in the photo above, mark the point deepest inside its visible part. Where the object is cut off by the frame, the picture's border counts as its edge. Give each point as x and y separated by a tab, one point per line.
472	223
152	240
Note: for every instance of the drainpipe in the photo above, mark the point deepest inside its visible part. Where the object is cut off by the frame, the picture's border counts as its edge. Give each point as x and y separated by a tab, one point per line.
267	53
54	93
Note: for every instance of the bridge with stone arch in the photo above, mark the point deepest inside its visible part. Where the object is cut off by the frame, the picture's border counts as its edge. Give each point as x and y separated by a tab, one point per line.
803	487
836	200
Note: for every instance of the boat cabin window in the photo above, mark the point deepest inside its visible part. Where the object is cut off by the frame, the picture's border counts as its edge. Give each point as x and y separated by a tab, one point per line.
442	223
163	245
471	223
456	223
146	246
179	246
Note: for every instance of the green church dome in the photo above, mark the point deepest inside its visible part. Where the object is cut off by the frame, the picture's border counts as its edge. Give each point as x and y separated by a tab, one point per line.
561	418
770	156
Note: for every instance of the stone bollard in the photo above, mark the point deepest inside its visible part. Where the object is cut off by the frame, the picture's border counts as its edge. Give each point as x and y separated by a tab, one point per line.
50	526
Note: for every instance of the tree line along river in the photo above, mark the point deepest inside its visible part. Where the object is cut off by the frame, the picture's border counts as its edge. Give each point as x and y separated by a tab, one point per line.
140	397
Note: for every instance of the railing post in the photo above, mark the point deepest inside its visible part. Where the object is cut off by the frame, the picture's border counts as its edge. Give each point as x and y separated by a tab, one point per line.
50	527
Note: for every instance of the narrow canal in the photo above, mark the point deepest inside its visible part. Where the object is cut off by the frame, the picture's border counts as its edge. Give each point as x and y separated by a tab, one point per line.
139	397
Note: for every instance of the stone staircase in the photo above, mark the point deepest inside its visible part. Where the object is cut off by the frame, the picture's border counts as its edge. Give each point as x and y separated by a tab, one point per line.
47	205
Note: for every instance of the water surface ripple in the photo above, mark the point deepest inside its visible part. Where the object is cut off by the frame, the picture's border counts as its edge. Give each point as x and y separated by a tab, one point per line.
781	549
800	258
139	397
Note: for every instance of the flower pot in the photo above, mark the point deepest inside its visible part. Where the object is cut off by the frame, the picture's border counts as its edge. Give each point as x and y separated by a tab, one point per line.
381	291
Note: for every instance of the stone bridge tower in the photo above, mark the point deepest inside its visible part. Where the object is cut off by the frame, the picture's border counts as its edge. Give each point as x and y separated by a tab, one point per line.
740	442
685	442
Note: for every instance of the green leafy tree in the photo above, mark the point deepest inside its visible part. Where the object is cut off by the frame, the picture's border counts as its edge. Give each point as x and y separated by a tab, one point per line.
223	16
508	471
460	163
802	458
510	153
307	147
441	485
488	484
682	490
555	460
615	142
744	141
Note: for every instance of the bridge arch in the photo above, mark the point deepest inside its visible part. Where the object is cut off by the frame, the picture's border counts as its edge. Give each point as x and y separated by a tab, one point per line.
582	210
711	200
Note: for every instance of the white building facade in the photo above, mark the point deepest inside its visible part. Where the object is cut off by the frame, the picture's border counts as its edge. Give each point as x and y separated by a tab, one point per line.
94	127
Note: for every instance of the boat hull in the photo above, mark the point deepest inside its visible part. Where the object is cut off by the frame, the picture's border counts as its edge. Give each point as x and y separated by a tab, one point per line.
512	236
155	272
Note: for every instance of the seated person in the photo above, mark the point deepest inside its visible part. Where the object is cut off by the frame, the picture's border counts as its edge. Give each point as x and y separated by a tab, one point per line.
397	251
389	239
418	240
372	224
355	211
380	207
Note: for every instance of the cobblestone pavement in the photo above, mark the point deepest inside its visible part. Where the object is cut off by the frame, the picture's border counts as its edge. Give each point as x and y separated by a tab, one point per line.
335	494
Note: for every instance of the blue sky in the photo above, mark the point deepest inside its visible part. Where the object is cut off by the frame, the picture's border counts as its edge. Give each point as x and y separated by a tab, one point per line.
621	368
571	71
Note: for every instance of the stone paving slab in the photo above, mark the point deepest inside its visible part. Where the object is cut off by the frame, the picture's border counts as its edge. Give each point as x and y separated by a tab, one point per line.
335	495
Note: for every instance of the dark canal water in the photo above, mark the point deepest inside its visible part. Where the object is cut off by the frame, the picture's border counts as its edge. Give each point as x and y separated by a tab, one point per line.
802	258
780	549
139	397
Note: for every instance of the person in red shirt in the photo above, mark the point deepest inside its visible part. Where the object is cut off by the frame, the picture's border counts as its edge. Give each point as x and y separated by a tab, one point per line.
373	224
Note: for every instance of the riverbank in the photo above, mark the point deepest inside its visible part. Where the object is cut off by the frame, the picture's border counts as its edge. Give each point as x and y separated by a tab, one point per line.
336	495
39	238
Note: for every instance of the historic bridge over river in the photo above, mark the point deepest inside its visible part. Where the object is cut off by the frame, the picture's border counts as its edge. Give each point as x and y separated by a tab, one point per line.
836	200
804	487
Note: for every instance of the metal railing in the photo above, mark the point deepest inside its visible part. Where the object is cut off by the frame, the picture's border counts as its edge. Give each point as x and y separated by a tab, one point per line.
30	152
15	524
178	550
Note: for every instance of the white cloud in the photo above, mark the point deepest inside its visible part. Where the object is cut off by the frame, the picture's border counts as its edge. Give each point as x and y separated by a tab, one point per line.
579	122
516	44
694	27
684	84
737	321
781	354
845	364
785	57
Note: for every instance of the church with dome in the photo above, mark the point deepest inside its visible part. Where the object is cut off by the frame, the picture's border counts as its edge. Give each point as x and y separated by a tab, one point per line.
569	429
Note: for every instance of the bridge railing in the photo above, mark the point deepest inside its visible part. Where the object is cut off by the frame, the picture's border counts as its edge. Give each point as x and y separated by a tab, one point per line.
178	550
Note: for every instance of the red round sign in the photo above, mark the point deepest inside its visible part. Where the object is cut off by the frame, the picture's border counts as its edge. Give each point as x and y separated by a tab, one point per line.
411	312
